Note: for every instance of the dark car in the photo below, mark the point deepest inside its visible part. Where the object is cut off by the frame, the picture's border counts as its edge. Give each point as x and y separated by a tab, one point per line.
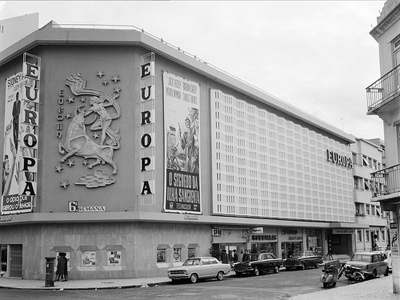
303	260
259	263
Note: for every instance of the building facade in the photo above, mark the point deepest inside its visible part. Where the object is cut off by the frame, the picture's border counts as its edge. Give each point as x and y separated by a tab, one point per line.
130	156
368	157
383	100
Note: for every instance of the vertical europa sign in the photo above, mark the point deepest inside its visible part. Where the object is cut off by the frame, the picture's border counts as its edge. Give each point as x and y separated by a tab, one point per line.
19	182
147	142
182	144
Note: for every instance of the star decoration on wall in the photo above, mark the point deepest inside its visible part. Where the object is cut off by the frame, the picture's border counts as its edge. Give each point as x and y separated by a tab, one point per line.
115	78
100	73
59	169
105	82
85	162
68	116
83	100
70	163
70	99
96	136
117	90
64	184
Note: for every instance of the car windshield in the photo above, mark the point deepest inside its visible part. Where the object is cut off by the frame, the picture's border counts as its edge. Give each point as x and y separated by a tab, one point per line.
192	262
254	257
302	254
361	257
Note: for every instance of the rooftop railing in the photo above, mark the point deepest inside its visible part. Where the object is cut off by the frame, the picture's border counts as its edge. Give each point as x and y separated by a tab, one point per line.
384	90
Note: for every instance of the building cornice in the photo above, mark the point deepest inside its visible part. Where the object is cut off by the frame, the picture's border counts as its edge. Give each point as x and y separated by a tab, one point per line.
121	37
385	23
138	217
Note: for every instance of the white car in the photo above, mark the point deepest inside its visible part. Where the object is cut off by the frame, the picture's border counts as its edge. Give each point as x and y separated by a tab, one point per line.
388	254
198	268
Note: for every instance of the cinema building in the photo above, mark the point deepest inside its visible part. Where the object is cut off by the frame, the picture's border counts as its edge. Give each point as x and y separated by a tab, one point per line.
130	155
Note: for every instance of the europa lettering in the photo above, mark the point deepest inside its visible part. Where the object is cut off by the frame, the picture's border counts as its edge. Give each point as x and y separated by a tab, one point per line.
338	159
147	93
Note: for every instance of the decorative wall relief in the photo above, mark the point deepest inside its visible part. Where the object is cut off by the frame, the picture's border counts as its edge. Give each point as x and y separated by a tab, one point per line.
92	138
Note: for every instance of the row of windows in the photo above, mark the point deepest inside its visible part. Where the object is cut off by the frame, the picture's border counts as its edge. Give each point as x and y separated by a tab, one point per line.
380	235
261	157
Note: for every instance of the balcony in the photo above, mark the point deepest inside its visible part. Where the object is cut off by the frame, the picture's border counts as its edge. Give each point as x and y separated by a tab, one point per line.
386	187
381	93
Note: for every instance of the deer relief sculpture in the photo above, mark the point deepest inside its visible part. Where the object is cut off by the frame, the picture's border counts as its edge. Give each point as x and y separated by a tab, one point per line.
77	142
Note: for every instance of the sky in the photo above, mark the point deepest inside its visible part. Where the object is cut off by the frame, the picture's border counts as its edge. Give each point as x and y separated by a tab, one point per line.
315	55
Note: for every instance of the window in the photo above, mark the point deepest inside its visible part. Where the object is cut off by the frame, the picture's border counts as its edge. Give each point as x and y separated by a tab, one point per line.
162	253
177	254
365	161
367	235
191	252
88	258
113	258
359	236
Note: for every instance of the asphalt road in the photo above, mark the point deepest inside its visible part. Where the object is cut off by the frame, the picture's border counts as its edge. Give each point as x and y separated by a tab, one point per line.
283	285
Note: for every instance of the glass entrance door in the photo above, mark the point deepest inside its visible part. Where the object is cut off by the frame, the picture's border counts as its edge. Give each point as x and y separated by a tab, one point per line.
3	259
15	260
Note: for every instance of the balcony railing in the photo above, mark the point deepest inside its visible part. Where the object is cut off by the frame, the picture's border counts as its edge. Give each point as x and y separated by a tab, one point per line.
386	181
384	90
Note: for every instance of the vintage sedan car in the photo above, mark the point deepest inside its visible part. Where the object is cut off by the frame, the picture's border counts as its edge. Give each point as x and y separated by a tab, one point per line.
199	268
259	263
303	260
388	259
371	263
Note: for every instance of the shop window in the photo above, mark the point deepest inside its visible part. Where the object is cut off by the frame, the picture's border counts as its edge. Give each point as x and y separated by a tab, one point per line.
67	256
114	258
88	258
177	254
162	253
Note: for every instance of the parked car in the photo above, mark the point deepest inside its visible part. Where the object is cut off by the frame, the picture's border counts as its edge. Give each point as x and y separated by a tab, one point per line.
199	268
371	263
259	263
303	260
388	259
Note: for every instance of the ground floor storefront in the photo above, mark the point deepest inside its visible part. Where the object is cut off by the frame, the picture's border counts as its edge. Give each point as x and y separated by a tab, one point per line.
110	250
283	242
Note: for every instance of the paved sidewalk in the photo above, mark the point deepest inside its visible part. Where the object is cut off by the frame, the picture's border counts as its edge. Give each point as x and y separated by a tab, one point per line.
380	288
16	283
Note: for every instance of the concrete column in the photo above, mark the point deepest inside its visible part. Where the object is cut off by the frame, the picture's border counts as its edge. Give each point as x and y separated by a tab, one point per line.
395	254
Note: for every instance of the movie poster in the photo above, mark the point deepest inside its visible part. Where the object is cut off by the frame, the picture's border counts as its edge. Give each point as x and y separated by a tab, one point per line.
182	144
21	121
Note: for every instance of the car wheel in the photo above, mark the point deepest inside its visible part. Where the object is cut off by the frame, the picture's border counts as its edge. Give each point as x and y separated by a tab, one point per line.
276	269
194	278
220	276
316	265
374	273
303	266
256	271
387	272
358	277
